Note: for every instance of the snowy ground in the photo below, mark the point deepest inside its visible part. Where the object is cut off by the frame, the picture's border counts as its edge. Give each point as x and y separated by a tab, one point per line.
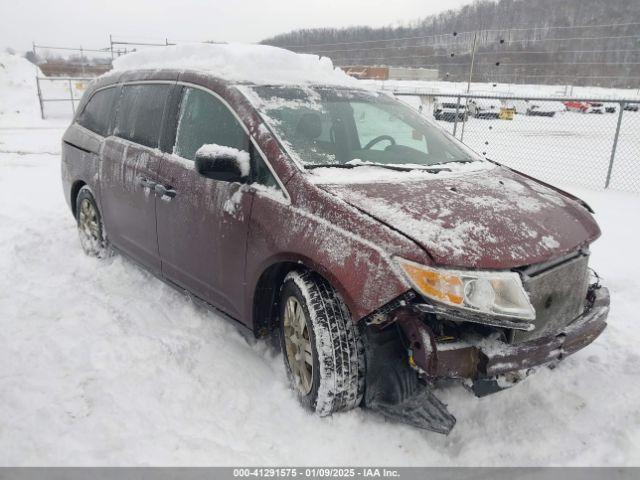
101	363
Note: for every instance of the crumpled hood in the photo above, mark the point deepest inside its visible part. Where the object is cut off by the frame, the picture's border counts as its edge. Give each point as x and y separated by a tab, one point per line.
491	219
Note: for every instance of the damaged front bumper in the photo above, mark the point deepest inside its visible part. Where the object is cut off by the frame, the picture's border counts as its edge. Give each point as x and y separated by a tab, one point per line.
485	364
489	359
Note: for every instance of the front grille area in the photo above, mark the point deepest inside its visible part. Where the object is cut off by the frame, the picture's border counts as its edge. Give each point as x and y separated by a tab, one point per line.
558	295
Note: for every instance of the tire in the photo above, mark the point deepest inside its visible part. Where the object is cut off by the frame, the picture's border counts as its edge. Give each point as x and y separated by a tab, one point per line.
90	226
336	380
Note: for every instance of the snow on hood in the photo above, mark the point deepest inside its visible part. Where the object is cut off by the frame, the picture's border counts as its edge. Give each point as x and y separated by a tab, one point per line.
258	64
491	219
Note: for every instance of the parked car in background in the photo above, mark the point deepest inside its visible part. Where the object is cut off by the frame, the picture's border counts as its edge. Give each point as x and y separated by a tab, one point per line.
385	255
576	106
610	107
596	107
485	108
631	107
449	109
538	108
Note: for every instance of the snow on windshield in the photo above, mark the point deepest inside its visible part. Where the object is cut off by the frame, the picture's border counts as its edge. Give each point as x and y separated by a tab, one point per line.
258	64
354	129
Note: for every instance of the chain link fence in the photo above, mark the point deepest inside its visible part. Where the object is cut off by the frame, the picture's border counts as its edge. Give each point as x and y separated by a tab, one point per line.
59	96
584	141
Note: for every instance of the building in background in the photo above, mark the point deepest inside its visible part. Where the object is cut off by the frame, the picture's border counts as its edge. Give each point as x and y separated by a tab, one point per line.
390	73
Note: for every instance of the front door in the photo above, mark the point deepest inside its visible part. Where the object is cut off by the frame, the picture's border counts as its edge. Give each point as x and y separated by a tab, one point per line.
202	223
130	165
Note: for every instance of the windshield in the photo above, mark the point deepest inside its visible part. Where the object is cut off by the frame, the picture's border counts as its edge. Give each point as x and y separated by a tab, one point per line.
346	128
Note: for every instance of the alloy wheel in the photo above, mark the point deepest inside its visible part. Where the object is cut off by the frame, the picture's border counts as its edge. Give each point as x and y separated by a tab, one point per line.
89	225
298	345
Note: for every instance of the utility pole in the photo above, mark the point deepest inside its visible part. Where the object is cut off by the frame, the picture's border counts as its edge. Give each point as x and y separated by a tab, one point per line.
473	58
81	66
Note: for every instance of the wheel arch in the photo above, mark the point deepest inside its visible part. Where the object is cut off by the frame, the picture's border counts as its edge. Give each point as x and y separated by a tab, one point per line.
265	294
73	196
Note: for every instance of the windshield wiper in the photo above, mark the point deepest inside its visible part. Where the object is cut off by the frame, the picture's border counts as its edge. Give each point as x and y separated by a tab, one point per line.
398	168
311	166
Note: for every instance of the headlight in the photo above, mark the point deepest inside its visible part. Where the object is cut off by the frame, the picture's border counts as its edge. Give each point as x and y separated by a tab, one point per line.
493	293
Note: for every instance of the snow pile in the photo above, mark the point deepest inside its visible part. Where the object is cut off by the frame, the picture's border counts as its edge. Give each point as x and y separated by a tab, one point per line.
258	64
18	94
213	150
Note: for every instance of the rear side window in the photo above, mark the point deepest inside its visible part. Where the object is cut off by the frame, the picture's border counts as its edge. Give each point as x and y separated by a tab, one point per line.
98	112
140	113
204	120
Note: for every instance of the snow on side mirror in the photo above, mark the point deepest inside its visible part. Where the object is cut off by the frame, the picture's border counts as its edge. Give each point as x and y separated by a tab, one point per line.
226	164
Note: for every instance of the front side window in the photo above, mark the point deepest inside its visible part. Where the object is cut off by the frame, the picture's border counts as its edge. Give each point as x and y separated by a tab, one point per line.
338	127
140	113
205	120
98	112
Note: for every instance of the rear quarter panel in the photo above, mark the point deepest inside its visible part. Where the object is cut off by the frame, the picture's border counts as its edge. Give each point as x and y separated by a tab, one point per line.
80	161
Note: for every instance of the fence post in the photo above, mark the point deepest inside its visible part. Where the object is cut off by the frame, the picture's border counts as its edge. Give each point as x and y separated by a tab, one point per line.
84	74
455	121
73	105
39	95
615	145
464	119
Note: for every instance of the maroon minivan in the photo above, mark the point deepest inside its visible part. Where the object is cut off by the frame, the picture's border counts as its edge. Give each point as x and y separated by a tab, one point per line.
387	255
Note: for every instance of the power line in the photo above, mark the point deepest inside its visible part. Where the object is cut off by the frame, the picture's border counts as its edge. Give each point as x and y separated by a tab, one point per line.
80	49
510	29
459	64
372	41
492	42
503	52
455	34
551	75
547	52
563	64
536	40
323	52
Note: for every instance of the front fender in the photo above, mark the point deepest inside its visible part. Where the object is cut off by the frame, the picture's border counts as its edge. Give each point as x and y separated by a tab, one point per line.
352	251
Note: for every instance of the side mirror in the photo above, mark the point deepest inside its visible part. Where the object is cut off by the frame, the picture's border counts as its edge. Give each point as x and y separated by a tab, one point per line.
226	164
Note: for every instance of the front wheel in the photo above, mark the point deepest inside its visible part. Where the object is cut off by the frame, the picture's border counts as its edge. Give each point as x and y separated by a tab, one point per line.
323	353
90	227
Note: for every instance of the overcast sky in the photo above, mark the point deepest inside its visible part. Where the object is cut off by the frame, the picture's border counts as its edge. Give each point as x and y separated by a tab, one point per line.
89	22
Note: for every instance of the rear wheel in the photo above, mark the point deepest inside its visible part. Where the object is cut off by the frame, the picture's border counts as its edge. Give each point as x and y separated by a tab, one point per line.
322	352
90	227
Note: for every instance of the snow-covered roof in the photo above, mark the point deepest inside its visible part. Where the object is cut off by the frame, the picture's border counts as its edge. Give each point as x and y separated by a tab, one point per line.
245	63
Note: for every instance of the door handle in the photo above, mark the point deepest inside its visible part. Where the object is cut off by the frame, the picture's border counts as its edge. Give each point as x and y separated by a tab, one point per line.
164	191
145	182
